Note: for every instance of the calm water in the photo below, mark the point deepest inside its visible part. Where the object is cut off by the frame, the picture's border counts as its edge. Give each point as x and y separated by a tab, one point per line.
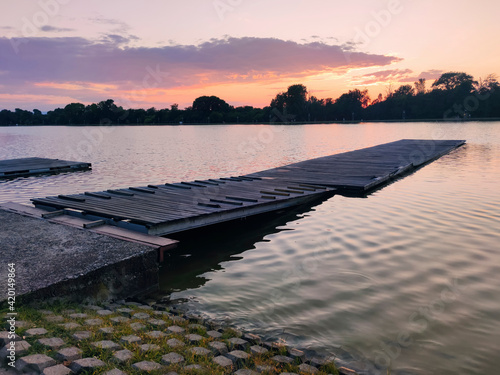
408	277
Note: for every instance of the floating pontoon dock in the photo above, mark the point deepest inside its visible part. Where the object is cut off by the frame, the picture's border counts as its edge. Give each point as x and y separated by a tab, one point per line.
32	166
162	209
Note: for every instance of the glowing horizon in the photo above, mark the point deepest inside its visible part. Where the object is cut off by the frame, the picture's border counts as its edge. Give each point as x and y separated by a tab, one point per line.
55	52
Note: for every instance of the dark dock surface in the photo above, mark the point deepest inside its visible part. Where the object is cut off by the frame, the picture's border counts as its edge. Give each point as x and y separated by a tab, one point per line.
364	169
175	207
32	166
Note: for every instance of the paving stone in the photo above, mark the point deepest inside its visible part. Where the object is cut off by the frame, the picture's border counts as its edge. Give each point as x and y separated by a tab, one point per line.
156	334
5	338
194	338
174	343
246	372
78	315
200	351
94	322
131	339
172	358
69	354
104	312
82	335
21	347
132	303
123	355
34	362
178	319
264	368
57	370
112	306
176	329
196	327
115	371
296	353
193	317
23	324
69	311
141	316
149	348
35	332
193	368
54	318
252	338
70	326
106	330
214	334
137	326
318	361
144	307
308	369
238	343
273	345
258	350
106	344
146	366
93	307
86	364
52	342
218	347
157	322
282	359
119	319
125	311
223	361
238	356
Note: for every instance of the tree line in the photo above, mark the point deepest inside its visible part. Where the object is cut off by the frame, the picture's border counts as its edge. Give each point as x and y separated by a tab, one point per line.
453	96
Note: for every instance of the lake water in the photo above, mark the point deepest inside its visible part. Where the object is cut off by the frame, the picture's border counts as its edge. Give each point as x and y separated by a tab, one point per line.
406	278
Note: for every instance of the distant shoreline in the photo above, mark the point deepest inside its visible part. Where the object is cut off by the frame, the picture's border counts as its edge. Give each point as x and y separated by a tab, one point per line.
458	120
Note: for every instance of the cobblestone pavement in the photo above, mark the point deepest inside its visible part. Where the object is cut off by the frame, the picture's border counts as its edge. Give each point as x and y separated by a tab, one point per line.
131	338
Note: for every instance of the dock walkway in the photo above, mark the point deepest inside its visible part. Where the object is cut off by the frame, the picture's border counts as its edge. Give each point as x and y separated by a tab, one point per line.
32	166
364	169
175	207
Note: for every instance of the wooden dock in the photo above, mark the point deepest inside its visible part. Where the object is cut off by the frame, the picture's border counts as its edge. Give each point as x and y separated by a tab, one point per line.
32	166
174	207
365	169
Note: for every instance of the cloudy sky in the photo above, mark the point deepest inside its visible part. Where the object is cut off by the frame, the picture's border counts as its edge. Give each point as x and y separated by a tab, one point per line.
159	52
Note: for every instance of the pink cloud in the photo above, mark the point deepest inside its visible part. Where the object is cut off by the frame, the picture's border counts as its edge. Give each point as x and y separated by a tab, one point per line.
232	59
395	76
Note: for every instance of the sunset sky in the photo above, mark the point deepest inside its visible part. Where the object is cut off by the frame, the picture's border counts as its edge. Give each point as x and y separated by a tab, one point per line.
159	52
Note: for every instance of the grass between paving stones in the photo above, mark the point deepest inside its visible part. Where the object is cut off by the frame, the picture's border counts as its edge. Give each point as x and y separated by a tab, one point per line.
37	318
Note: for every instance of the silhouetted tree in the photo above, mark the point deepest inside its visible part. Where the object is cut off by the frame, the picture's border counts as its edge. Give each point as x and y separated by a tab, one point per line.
349	106
453	95
292	103
420	86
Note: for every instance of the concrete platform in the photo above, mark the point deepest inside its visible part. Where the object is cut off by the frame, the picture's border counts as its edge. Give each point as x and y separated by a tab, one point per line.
54	260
